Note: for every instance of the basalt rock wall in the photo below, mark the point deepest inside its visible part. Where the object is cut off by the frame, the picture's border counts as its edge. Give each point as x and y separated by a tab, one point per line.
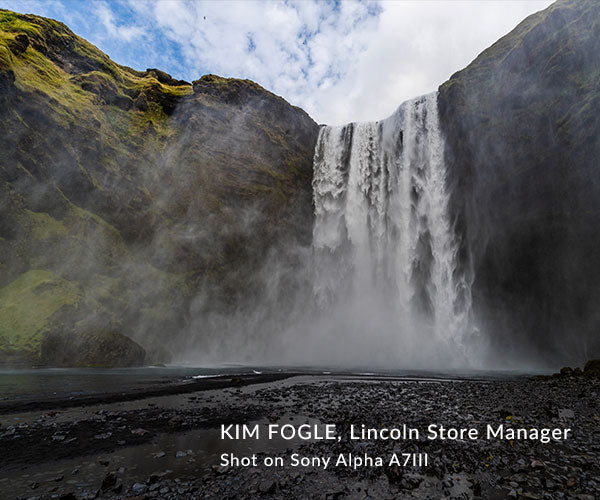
522	124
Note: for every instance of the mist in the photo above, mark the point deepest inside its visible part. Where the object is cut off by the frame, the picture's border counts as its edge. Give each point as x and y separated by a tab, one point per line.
380	284
213	222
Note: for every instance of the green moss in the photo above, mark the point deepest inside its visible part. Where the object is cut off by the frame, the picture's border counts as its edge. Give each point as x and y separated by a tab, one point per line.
103	141
274	173
74	99
26	307
44	226
101	84
13	22
35	73
221	82
38	72
6	59
80	219
88	51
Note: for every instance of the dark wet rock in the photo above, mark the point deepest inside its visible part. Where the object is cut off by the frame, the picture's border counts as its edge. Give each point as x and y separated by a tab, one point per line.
566	371
221	469
87	147
592	368
267	486
139	431
139	488
394	474
176	421
109	481
521	125
566	413
412	481
485	469
530	495
156	477
537	465
104	349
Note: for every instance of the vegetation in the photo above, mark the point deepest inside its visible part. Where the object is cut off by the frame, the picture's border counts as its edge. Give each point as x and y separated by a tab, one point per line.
135	188
26	309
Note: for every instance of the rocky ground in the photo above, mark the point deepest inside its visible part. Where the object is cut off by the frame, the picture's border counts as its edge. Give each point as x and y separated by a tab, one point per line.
169	446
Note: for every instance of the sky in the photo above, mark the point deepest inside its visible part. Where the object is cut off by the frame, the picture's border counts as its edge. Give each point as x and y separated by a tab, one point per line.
340	61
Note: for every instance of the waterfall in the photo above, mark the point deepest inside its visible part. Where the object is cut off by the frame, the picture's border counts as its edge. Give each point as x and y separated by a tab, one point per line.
384	247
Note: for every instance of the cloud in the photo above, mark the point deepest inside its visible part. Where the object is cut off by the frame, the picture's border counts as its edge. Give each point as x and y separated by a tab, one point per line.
417	46
119	31
290	48
340	61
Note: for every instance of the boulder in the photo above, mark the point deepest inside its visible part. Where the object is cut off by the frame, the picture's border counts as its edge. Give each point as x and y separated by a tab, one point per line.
100	349
566	371
592	368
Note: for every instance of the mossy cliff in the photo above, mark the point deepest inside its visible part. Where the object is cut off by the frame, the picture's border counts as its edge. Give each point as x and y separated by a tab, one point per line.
523	140
124	193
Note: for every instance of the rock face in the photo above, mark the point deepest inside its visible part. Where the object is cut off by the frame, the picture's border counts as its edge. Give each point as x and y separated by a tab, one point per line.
137	203
136	192
90	349
523	141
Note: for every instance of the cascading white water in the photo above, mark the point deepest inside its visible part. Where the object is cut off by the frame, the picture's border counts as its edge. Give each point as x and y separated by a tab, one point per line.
385	251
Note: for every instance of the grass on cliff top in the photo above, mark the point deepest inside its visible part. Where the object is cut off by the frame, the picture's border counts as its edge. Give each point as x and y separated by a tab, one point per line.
26	306
12	22
36	72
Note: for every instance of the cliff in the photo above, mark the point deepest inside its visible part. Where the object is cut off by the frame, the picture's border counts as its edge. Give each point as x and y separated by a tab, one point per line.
523	141
123	193
134	206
